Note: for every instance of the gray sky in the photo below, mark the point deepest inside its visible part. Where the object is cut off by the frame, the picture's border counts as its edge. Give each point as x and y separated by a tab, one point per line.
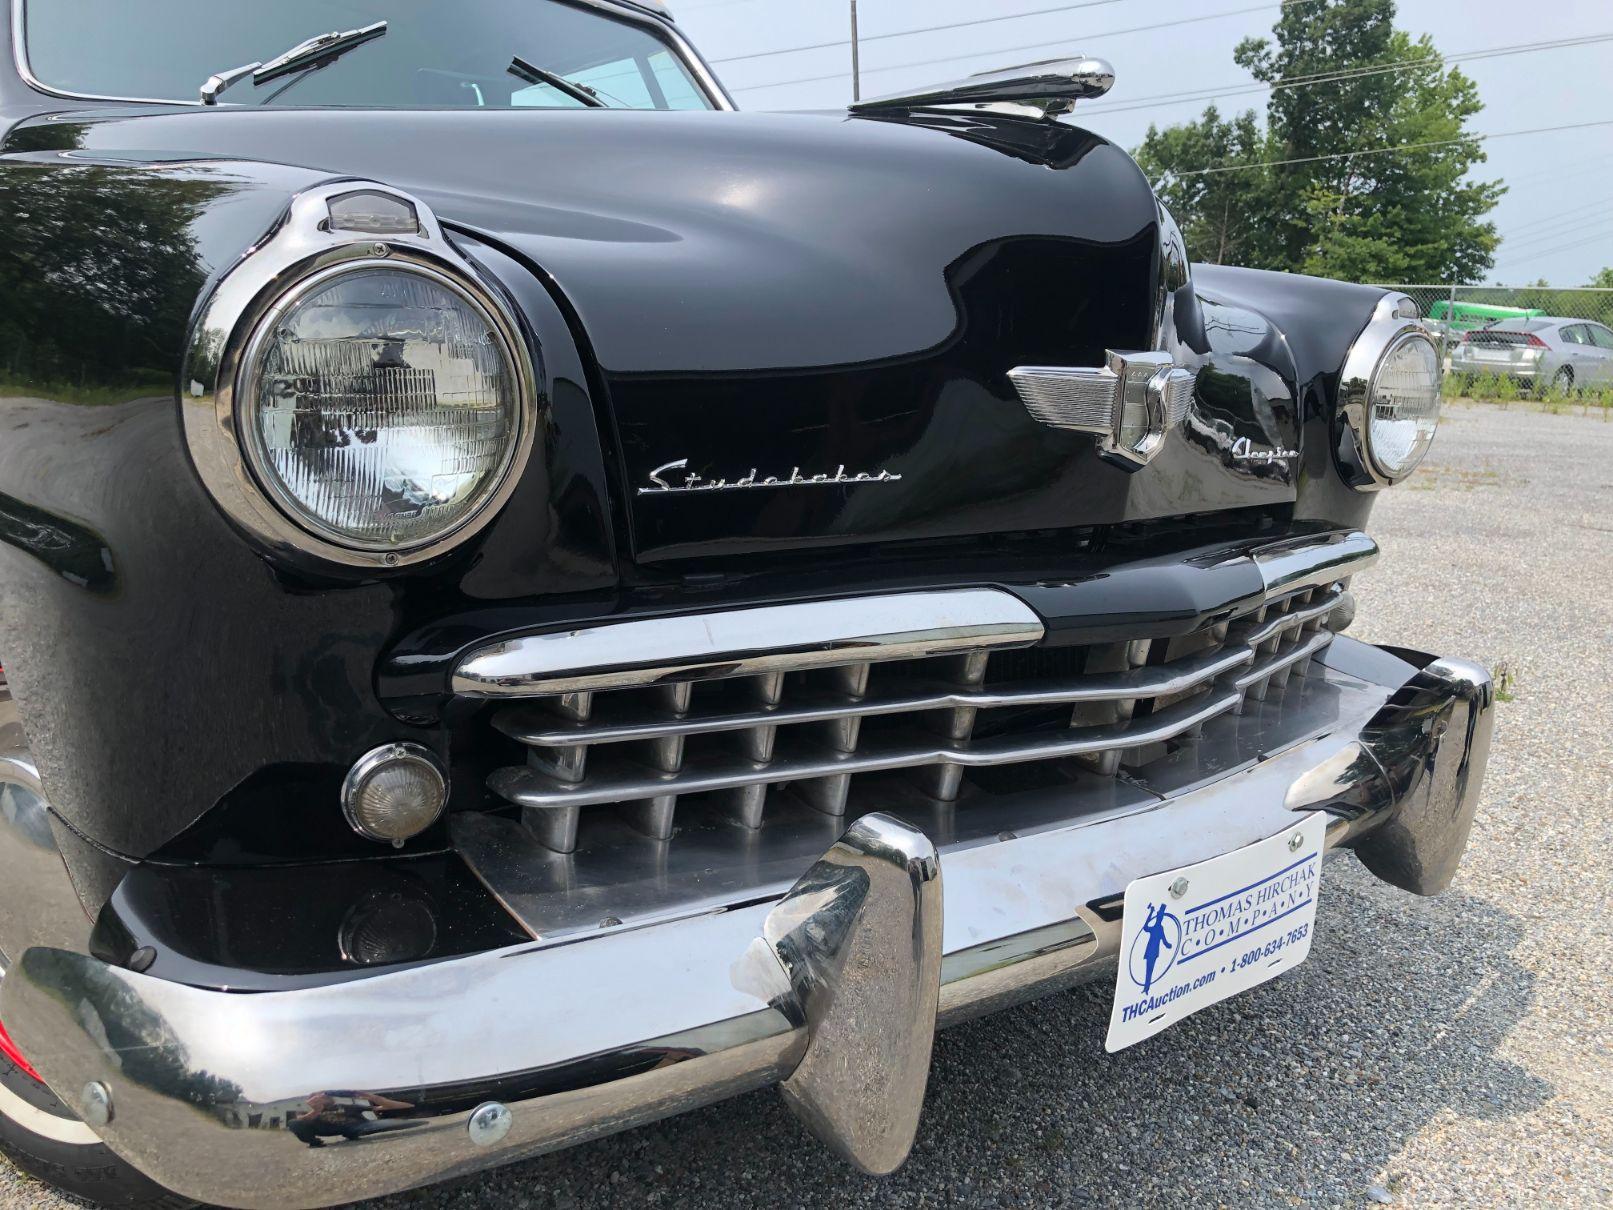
1551	222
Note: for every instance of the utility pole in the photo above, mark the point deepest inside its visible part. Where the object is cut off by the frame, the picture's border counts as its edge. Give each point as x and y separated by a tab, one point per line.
856	58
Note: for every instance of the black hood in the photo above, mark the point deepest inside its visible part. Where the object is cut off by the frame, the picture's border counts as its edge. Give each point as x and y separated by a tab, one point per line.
799	295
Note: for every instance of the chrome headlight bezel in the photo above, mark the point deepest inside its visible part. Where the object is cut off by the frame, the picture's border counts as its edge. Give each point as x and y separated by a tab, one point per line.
302	255
1395	322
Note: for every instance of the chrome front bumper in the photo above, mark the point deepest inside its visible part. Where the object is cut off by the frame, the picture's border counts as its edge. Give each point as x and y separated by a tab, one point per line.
833	990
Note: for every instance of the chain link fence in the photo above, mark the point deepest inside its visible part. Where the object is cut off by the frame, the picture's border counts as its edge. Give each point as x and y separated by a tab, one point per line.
1504	343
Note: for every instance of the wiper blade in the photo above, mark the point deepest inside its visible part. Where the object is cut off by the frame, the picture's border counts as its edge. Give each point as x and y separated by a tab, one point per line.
533	74
313	52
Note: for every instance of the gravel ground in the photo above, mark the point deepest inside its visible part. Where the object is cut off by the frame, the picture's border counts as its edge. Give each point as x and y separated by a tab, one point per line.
1432	1053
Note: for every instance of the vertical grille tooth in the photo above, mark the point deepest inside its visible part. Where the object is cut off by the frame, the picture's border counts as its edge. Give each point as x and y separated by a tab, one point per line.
1113	657
556	827
943	782
826	794
553	827
652	817
569	763
743	805
767	692
829	794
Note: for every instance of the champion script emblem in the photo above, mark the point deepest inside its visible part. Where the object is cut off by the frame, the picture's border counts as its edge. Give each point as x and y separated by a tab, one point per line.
1246	451
664	483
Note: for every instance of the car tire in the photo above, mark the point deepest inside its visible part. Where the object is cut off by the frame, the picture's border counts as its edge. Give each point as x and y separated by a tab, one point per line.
41	1136
1562	382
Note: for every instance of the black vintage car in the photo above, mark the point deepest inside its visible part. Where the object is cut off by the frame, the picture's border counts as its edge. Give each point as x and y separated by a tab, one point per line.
533	602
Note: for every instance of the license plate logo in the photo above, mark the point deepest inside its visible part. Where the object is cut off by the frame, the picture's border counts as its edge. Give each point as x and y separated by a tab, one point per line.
1192	937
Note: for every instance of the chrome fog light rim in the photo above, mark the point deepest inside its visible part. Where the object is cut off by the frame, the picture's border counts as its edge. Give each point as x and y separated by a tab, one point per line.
376	761
302	249
1394	323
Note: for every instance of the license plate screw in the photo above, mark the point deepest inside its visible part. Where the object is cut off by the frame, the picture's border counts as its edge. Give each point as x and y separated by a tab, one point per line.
1178	888
1294	842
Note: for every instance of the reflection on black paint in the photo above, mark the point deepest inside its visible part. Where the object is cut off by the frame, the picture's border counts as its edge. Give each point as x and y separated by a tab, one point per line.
75	552
93	303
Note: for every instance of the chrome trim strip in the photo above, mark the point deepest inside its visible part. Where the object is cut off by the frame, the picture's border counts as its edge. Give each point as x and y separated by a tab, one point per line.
1311	562
741	642
540	728
704	76
624	781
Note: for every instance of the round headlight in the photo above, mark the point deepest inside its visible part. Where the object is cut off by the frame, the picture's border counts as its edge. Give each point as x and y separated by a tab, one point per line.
381	408
1405	402
1389	397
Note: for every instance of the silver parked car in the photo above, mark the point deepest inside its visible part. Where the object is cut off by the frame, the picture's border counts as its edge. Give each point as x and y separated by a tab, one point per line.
1545	353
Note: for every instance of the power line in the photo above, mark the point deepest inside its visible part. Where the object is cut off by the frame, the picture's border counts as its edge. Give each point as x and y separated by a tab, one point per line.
1547	237
1584	243
1346	75
1555	219
1404	147
931	29
1036	46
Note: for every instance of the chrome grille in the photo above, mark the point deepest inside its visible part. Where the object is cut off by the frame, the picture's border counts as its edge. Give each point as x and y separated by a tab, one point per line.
753	729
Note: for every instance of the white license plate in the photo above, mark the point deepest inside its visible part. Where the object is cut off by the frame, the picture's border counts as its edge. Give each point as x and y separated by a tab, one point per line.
1192	937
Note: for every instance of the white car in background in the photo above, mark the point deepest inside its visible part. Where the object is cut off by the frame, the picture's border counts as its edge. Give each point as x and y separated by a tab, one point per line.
1543	354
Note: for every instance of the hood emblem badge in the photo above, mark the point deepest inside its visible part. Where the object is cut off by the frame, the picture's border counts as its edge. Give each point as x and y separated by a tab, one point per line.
1130	402
664	483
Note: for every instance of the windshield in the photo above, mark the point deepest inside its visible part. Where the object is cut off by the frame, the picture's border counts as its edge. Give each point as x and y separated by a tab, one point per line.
434	54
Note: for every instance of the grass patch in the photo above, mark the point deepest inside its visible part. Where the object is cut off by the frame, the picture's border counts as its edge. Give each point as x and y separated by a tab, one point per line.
88	396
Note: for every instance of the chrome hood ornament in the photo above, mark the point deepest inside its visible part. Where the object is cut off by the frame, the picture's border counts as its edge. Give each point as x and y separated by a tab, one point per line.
1131	402
1035	90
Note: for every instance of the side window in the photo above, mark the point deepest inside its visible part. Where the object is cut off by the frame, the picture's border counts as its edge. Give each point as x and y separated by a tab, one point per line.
1575	335
1601	337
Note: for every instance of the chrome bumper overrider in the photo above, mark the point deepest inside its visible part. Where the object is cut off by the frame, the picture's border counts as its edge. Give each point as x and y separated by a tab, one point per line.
833	990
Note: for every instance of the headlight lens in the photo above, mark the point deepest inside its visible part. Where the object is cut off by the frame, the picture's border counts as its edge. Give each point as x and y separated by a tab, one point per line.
383	408
1405	403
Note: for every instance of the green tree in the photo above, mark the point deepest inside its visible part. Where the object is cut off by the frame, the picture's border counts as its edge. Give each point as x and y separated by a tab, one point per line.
1220	212
1320	195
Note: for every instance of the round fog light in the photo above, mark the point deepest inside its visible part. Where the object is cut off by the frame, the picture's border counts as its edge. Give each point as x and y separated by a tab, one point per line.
395	792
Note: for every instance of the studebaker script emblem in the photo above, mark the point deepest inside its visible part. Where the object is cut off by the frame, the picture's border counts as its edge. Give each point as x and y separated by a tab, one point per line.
666	483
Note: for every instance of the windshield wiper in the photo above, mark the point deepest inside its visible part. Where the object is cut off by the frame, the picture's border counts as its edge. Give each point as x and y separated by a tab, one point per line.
533	74
315	52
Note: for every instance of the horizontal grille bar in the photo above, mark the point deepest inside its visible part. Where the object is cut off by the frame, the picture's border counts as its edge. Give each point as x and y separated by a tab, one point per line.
626	720
626	781
747	642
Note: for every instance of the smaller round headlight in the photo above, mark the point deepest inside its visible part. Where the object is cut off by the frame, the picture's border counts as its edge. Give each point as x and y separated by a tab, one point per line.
1389	397
1405	402
394	792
